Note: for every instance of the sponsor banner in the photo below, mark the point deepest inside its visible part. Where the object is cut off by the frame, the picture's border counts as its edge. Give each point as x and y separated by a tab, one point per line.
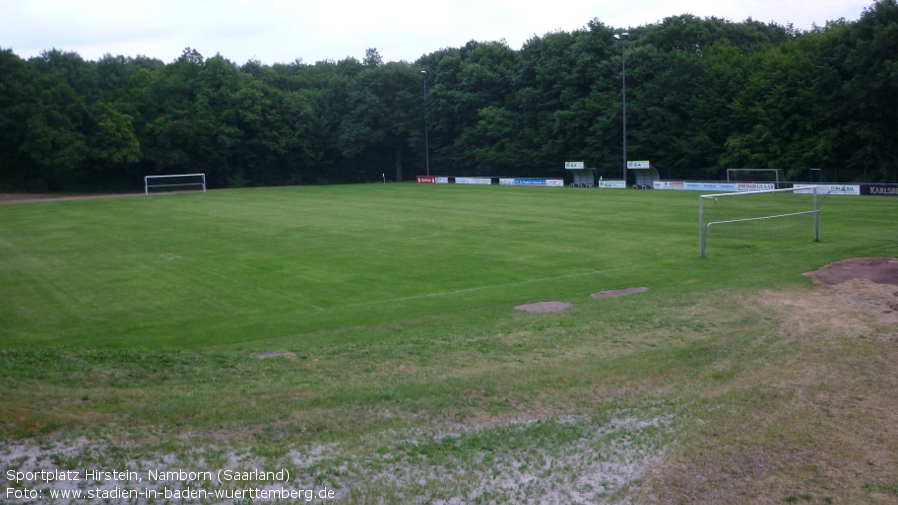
754	186
571	165
442	180
831	189
529	181
613	184
711	186
484	181
424	179
637	165
879	189
675	185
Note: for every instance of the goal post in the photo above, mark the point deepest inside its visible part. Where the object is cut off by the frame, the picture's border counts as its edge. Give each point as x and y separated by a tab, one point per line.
774	213
774	175
173	181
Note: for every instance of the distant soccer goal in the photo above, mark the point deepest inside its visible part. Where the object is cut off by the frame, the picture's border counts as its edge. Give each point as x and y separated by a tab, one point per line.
170	181
774	175
773	215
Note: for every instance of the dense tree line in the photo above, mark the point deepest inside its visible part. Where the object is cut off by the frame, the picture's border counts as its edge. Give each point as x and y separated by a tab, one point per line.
703	95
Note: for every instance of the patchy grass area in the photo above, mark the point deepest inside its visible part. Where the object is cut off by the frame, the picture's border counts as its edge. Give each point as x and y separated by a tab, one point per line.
773	394
199	332
808	415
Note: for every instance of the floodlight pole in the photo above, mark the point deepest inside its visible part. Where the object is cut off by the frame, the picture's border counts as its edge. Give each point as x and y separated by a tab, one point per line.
623	37
426	146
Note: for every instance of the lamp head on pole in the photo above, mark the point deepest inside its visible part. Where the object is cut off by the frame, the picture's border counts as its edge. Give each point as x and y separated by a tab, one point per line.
424	72
622	36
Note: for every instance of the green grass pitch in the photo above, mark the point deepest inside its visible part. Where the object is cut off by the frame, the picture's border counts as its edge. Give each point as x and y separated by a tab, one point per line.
275	267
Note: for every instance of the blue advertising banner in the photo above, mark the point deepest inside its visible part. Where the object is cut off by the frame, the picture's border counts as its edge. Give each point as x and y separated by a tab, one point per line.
879	189
530	181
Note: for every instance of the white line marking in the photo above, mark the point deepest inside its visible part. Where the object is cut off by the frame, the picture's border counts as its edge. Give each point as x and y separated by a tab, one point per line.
480	288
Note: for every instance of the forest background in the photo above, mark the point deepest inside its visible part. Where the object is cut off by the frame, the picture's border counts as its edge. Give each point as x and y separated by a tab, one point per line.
703	95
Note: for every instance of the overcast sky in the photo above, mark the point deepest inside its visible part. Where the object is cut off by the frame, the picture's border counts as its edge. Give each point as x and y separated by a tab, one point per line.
283	30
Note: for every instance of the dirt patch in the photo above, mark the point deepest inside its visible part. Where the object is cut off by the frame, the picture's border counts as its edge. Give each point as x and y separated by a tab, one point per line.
816	315
870	297
273	354
19	197
42	197
869	284
543	306
878	270
614	293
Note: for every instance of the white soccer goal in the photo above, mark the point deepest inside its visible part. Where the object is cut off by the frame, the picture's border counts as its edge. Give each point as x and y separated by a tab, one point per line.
770	175
774	214
173	181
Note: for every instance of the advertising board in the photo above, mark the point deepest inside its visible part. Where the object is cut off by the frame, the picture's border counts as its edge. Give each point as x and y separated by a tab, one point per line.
833	189
426	179
621	184
530	181
879	189
442	180
572	165
483	181
754	186
713	186
710	186
822	189
674	185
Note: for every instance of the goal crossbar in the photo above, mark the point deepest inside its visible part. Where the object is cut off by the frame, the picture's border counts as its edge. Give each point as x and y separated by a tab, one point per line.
786	190
147	185
705	228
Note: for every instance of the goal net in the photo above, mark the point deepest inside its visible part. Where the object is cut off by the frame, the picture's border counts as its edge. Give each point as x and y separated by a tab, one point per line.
768	175
172	182
735	219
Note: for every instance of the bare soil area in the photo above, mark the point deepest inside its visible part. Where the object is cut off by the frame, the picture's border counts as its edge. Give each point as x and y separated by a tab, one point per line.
878	270
869	284
543	306
7	198
614	293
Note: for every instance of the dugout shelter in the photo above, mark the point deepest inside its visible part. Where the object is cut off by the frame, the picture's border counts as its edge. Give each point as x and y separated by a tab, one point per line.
645	177
583	178
581	175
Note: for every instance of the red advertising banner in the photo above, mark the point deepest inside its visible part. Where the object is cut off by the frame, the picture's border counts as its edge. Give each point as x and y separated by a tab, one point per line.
425	179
